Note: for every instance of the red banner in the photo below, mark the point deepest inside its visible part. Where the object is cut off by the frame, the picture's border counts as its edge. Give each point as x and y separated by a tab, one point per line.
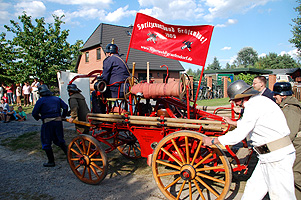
184	43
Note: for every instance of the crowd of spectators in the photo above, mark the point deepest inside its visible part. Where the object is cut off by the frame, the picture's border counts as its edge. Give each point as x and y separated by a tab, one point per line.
18	94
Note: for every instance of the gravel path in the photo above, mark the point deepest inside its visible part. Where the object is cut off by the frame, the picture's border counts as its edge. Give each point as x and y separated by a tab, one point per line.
24	177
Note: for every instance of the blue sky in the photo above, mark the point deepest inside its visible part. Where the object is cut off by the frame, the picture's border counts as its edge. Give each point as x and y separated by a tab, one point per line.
263	25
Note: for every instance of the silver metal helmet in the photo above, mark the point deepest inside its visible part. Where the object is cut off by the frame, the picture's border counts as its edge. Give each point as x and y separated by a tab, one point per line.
240	89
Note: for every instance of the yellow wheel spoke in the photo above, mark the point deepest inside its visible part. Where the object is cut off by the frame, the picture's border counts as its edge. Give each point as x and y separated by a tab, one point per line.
208	156
199	189
74	151
129	151
168	164
96	159
169	174
196	153
89	172
207	186
77	167
74	159
134	151
187	149
181	190
90	156
94	171
174	158
210	168
98	167
80	149
190	190
84	171
178	151
89	147
211	178
172	183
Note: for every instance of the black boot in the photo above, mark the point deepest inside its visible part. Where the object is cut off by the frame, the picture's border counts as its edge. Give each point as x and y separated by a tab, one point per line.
50	157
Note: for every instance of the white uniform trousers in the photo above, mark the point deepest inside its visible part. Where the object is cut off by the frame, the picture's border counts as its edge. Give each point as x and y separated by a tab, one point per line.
276	178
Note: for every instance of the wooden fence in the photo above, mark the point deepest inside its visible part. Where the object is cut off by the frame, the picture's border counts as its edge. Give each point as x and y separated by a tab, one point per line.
297	92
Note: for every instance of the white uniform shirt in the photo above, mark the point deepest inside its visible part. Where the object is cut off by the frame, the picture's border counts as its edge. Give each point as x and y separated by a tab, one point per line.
263	122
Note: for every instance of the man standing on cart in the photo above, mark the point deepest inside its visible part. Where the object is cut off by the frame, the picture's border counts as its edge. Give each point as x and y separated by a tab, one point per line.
115	71
265	124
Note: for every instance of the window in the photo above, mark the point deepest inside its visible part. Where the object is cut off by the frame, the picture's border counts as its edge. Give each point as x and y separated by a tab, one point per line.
98	55
142	76
87	56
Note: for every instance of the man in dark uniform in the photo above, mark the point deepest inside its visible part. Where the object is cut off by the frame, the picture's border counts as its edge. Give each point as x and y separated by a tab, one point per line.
114	70
78	106
50	109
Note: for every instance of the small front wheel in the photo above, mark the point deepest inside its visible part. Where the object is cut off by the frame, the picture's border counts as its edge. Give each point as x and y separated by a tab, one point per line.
87	159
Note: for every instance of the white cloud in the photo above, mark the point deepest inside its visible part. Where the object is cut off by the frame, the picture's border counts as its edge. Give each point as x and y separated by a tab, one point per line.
171	9
293	53
226	8
229	22
100	3
262	55
32	8
226	48
119	14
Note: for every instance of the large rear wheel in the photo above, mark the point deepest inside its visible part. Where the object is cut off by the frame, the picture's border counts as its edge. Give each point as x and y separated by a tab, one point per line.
185	169
87	159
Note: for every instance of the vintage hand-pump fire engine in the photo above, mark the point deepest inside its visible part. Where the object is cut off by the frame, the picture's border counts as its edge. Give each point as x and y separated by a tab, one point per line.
169	134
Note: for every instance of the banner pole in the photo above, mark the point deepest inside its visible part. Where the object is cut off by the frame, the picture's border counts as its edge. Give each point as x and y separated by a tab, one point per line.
127	55
199	85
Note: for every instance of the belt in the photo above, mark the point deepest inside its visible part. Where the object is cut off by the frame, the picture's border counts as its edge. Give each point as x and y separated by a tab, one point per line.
273	146
46	120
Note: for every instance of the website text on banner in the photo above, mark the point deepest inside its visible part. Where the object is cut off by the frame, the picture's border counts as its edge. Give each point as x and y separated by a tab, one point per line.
184	43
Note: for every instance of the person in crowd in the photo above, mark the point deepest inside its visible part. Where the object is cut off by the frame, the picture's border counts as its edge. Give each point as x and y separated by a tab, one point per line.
9	91
11	115
4	105
291	108
26	90
265	125
115	70
21	115
18	94
259	84
35	96
2	90
5	98
78	107
50	109
2	115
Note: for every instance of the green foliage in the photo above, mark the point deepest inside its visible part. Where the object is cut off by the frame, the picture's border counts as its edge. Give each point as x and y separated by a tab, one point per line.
196	74
274	61
248	78
37	49
246	57
215	65
296	30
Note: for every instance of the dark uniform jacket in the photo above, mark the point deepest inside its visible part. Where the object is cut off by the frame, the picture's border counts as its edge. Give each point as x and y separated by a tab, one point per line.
49	107
268	93
78	106
115	70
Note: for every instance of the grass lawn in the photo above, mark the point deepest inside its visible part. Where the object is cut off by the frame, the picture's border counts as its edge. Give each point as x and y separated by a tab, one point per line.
213	102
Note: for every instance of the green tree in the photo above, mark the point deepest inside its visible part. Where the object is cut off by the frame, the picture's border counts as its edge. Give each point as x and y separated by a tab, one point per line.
39	49
246	57
274	61
296	39
215	65
248	78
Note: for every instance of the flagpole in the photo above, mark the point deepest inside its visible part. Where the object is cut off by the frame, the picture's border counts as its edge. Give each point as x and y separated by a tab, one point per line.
199	85
127	55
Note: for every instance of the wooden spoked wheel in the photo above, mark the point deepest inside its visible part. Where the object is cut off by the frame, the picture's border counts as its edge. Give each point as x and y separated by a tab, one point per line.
128	84
87	159
128	145
185	169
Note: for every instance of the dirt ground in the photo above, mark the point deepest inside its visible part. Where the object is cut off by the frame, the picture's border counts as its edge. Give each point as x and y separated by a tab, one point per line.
24	177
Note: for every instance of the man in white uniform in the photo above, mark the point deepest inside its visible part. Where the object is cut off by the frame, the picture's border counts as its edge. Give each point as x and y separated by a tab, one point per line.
265	124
